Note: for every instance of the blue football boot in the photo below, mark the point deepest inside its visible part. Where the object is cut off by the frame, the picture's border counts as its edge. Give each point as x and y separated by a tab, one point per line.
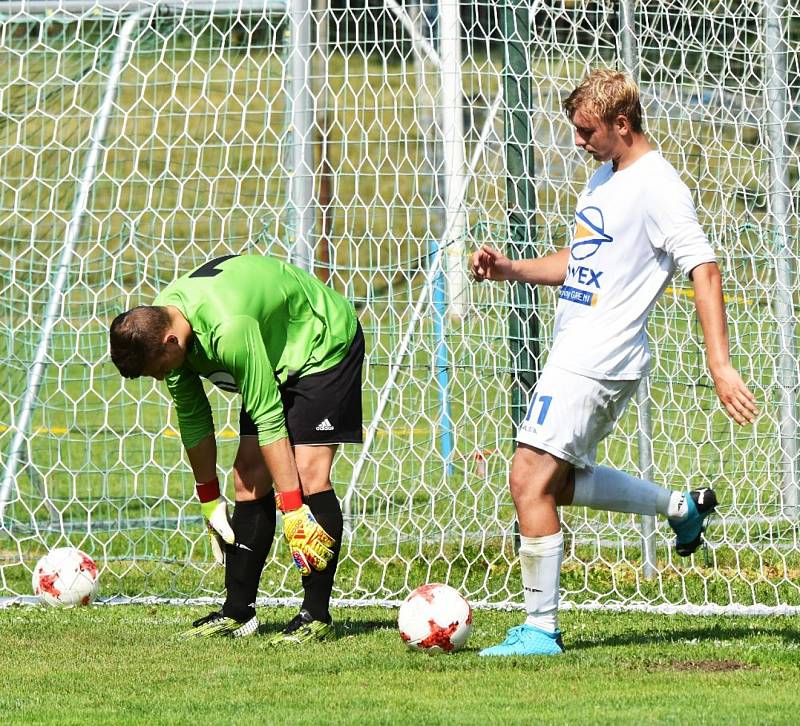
527	640
689	530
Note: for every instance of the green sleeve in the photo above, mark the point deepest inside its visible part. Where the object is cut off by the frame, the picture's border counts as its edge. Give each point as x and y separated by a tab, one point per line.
191	403
240	348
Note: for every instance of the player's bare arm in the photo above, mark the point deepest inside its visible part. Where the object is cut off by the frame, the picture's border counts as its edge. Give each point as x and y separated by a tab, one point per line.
490	264
203	459
737	399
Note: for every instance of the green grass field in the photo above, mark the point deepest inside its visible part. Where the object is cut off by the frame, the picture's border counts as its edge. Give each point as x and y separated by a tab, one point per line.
123	665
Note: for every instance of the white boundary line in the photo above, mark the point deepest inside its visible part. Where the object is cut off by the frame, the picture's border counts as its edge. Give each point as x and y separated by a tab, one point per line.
617	606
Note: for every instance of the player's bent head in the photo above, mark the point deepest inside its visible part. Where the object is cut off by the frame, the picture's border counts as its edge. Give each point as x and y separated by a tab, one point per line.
606	94
137	337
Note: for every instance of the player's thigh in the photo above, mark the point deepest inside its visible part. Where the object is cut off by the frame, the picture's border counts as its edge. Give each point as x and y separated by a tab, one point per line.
570	414
314	465
314	462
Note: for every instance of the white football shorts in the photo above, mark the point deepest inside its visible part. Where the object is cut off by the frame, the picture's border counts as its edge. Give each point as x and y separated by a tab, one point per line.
570	414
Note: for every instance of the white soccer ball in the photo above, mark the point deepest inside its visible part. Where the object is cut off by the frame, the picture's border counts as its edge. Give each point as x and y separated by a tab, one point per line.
435	618
65	577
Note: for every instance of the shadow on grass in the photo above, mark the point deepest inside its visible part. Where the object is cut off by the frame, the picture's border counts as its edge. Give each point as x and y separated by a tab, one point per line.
363	627
716	632
270	628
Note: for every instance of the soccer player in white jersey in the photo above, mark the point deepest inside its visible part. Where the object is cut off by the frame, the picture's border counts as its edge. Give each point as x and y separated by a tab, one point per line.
634	224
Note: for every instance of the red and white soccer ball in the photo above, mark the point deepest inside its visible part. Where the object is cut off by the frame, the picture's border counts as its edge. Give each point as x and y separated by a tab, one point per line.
435	618
66	577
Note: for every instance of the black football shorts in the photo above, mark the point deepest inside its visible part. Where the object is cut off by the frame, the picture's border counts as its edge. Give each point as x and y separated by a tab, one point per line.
322	408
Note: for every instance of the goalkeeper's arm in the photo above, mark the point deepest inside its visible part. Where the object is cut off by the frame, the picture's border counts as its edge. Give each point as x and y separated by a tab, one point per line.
203	459
310	545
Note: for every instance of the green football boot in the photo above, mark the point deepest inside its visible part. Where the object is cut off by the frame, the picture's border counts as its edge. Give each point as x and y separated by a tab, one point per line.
303	629
217	625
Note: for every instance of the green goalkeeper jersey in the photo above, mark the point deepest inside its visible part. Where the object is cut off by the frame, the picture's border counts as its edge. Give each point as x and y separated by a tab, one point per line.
257	321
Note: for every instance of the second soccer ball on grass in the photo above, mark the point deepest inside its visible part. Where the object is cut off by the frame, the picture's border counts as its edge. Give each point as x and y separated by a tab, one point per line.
435	618
65	577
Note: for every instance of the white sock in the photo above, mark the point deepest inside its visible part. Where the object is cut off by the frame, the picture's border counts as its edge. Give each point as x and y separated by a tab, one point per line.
540	560
615	491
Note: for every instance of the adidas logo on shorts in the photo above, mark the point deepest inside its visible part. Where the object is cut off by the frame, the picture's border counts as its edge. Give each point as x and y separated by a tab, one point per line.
325	425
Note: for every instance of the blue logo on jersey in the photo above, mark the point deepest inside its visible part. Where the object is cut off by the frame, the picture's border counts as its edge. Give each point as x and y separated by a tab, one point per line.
584	275
576	295
590	233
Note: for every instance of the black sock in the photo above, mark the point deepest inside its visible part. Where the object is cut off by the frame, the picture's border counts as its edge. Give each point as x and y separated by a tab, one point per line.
317	586
253	524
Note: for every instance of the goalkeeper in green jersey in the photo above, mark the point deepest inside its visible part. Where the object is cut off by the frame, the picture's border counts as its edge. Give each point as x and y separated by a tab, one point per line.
293	349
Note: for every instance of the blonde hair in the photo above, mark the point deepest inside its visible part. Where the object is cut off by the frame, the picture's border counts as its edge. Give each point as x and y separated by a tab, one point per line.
606	94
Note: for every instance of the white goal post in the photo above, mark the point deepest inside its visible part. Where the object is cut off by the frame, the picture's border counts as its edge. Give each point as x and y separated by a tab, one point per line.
377	146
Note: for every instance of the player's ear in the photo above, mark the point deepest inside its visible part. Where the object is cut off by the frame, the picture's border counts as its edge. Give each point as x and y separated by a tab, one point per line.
623	125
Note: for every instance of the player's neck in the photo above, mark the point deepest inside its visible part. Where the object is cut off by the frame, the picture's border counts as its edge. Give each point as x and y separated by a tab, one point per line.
631	153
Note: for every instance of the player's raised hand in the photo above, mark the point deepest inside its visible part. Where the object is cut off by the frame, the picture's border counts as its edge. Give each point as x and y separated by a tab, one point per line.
734	394
490	264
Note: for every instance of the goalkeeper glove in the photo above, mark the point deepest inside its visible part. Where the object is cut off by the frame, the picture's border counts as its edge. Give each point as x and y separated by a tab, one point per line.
215	514
308	542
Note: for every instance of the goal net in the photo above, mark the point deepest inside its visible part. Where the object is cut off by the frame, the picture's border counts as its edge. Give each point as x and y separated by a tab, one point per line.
365	142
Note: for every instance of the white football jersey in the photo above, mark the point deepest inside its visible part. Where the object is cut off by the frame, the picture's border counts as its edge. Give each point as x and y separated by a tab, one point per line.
632	228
